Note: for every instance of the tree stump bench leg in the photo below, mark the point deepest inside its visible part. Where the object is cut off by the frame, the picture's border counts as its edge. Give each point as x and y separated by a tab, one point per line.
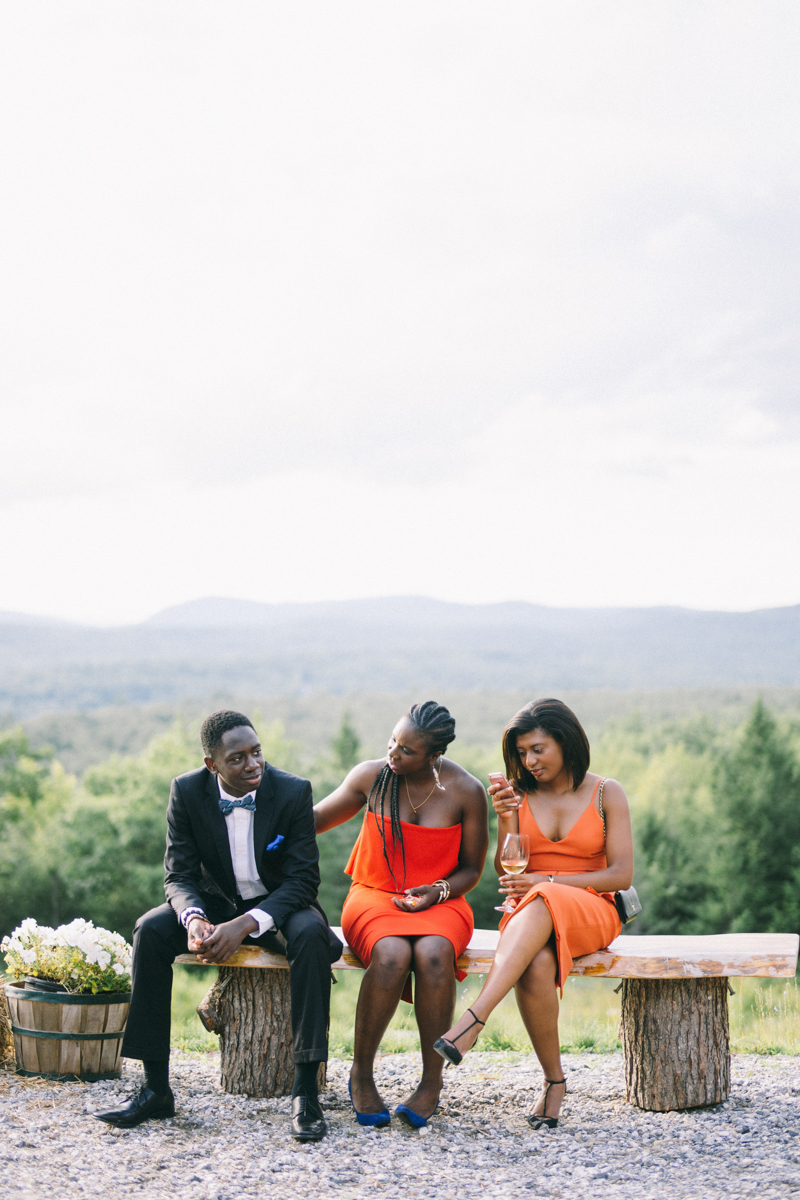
676	1041
251	1011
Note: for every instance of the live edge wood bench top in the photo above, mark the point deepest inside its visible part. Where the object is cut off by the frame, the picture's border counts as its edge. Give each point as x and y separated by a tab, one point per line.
769	955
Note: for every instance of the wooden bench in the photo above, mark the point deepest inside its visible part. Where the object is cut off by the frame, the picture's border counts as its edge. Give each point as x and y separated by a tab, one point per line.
674	1025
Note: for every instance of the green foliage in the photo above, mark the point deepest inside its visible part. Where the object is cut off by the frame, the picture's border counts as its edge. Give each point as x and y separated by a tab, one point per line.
33	792
678	868
346	746
281	751
757	786
23	769
113	834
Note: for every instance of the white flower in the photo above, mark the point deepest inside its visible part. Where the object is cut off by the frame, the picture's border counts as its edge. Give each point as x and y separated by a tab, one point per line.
75	951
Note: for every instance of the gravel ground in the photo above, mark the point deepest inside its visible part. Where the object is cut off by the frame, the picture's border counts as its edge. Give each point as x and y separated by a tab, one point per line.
222	1147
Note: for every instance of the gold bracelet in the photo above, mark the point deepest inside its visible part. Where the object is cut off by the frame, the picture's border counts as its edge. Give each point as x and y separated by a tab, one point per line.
444	890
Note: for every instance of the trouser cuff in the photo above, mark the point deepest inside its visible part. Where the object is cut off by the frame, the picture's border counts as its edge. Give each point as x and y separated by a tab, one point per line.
149	1054
307	1056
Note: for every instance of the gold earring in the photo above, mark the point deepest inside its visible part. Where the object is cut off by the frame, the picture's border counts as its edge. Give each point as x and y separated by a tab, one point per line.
439	784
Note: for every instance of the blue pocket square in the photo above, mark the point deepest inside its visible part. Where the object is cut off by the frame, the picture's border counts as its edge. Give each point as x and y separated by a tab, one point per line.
274	845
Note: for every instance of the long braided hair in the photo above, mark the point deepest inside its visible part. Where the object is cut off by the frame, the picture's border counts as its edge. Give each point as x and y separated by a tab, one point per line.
434	723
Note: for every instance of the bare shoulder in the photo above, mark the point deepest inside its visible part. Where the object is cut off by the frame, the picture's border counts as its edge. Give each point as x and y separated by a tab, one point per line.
467	786
614	795
364	774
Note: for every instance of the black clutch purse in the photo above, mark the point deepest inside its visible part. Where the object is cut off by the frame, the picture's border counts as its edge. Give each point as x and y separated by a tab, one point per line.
628	903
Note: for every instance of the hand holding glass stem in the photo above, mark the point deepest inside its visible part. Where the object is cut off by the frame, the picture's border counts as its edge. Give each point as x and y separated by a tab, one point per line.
514	854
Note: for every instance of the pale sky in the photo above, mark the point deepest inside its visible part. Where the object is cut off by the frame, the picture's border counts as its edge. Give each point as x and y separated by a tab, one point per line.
480	301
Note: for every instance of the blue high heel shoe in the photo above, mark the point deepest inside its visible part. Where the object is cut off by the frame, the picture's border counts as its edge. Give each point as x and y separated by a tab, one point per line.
374	1120
412	1119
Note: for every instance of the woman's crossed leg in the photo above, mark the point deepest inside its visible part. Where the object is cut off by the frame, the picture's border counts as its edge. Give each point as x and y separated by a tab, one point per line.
524	960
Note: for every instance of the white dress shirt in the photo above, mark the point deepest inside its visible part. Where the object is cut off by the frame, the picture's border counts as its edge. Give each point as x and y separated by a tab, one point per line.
248	884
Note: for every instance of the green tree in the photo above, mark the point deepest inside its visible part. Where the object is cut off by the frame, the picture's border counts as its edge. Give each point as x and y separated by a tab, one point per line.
757	791
34	793
110	848
346	746
280	751
677	844
23	769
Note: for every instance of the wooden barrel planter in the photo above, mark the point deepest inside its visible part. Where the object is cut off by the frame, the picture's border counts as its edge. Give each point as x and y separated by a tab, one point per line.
58	1035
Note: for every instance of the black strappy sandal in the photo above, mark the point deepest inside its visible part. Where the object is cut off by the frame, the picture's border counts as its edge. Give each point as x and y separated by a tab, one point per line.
537	1122
447	1049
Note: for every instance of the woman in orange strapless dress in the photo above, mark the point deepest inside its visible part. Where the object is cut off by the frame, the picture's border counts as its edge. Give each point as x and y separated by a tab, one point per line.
422	845
580	854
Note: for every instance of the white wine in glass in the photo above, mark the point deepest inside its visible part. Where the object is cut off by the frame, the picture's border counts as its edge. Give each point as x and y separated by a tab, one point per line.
514	855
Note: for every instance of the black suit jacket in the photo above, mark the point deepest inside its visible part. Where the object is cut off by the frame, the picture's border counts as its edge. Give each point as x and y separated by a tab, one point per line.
198	864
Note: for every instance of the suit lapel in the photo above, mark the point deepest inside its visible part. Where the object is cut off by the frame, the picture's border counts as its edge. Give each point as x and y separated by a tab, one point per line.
219	832
264	815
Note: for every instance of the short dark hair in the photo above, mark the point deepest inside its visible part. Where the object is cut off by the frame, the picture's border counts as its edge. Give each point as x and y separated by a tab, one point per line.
434	723
217	724
558	722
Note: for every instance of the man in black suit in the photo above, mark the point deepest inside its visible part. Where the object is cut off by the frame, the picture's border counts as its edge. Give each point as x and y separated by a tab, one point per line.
241	863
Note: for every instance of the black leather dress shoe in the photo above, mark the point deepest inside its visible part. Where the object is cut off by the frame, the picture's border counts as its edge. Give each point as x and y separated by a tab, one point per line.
145	1106
308	1123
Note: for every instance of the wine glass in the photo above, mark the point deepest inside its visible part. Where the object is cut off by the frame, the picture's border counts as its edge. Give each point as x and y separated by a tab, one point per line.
514	860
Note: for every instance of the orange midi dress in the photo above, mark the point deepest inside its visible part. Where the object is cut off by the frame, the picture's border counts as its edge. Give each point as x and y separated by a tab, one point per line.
369	914
583	920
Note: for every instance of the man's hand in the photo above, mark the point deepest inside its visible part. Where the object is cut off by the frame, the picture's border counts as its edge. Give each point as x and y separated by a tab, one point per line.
198	929
417	899
223	939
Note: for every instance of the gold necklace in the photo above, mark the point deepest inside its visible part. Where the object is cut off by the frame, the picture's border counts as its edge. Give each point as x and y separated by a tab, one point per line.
425	801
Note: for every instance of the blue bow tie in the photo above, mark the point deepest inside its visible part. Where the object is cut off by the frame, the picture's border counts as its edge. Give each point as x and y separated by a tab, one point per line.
248	803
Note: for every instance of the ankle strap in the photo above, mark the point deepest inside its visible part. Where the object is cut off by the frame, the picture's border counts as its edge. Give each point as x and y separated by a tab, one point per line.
480	1022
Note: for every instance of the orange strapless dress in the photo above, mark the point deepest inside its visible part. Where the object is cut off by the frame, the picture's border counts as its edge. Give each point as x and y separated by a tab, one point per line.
369	914
584	920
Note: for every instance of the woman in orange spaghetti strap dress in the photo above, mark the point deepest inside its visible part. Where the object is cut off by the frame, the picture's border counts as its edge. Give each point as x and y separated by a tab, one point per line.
580	853
422	845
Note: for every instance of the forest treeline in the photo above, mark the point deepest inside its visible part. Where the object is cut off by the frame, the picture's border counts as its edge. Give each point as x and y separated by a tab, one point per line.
716	814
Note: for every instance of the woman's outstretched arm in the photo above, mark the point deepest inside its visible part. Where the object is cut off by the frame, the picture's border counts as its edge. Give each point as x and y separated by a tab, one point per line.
348	799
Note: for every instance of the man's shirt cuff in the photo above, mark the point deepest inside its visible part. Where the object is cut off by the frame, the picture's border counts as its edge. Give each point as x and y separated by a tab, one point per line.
265	921
187	915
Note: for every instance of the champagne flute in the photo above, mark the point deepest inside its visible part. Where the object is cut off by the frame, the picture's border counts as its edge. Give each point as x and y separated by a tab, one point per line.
514	860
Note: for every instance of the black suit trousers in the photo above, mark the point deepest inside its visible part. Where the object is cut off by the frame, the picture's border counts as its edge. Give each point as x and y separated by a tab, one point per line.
158	938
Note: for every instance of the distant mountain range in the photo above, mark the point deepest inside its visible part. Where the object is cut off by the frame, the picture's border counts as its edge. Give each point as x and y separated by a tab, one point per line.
389	644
